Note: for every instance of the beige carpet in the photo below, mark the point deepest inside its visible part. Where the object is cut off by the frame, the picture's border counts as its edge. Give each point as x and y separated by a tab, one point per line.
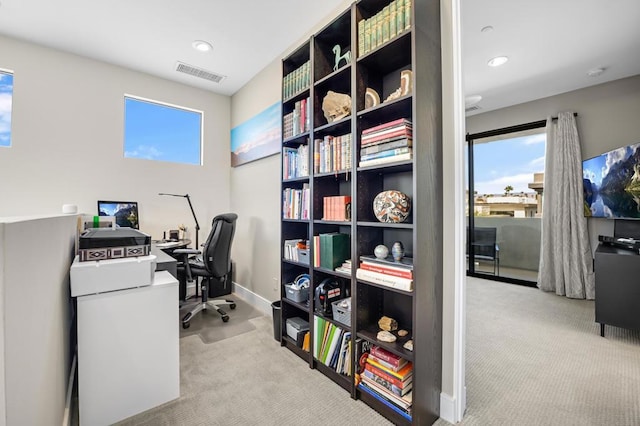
534	358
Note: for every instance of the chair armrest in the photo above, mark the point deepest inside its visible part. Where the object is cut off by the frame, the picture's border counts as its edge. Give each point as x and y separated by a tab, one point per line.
186	251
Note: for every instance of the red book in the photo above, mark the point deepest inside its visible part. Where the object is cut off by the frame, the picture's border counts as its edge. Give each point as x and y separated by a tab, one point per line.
404	273
388	377
392	135
386	125
387	356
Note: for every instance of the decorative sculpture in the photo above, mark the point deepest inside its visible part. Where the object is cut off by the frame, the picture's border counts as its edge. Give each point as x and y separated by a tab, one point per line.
336	106
340	56
392	206
381	251
397	250
406	82
371	98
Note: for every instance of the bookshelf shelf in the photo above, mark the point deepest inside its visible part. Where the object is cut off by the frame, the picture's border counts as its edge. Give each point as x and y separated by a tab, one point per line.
293	262
297	179
406	128
334	322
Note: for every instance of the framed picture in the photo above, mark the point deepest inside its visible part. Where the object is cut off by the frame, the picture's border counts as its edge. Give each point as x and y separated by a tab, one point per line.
257	137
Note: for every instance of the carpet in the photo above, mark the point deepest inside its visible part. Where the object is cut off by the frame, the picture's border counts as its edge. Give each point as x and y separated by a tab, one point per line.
208	325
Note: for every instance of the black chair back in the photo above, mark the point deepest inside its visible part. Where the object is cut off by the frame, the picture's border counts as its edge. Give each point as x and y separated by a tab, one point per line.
216	253
485	242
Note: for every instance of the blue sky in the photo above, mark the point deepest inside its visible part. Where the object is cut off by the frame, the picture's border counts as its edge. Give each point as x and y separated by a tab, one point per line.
508	162
159	132
260	129
6	95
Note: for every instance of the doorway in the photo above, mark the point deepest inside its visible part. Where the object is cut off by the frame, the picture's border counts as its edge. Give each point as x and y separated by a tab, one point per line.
505	185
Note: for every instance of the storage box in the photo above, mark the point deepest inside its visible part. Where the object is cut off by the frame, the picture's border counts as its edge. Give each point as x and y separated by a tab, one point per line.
297	295
303	256
296	329
342	311
100	276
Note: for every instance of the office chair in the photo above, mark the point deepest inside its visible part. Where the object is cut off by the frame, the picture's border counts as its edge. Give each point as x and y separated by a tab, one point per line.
215	263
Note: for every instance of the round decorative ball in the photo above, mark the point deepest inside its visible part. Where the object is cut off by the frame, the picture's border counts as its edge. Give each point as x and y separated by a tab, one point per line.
392	206
381	251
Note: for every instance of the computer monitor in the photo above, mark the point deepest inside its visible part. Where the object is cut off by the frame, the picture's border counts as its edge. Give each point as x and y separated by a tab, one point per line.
125	212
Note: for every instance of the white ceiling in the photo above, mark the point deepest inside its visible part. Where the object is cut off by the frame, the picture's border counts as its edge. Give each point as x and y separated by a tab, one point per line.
551	43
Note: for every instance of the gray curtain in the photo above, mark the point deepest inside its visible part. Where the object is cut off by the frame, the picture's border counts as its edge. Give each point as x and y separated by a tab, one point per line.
566	262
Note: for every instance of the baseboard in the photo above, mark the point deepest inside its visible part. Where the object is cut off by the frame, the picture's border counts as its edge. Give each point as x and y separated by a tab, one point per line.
66	418
253	299
447	408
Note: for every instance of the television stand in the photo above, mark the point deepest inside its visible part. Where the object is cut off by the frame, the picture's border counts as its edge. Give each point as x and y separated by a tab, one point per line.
617	289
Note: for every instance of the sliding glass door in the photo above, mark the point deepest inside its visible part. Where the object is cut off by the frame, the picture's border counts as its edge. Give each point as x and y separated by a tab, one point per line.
505	172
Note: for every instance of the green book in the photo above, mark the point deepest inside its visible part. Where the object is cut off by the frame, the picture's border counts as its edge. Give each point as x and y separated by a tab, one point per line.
400	16
367	36
392	19
385	24
334	249
379	28
407	14
374	32
361	38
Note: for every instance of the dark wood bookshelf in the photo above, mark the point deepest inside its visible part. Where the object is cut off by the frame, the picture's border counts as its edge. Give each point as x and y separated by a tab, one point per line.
332	321
298	179
419	311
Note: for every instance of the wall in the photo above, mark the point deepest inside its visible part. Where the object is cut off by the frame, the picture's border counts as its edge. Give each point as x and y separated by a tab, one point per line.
256	186
35	256
607	119
67	142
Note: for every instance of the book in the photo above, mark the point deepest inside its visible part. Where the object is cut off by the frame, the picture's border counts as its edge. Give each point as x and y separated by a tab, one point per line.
407	14
385	144
405	262
399	283
391	132
392	19
367	36
387	153
361	50
396	400
386	126
385	24
399	272
400	27
390	387
306	342
389	357
402	387
334	249
388	366
385	160
404	413
402	374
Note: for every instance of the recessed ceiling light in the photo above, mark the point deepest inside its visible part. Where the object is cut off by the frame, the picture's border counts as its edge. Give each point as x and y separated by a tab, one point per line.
472	100
486	29
202	45
497	61
595	72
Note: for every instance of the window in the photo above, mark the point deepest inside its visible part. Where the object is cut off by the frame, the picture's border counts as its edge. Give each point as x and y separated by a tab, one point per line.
6	97
162	132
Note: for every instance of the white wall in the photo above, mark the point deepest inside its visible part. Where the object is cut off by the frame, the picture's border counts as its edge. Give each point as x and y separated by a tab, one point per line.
35	256
607	119
255	187
67	142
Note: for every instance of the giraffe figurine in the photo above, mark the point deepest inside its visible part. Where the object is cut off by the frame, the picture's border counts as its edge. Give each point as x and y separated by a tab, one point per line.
339	57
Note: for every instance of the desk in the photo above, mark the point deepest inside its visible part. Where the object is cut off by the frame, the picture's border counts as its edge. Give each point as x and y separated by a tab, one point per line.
166	245
164	262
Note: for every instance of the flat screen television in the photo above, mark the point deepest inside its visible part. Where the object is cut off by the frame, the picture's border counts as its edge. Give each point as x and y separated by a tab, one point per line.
611	184
125	212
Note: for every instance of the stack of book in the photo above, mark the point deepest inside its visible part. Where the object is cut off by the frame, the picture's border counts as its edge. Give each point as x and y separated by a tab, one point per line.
332	345
297	80
297	121
386	143
345	268
332	154
390	22
295	203
389	378
330	250
295	162
291	247
336	208
387	272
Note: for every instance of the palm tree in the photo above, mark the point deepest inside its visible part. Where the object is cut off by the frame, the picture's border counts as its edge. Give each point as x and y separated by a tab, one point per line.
508	189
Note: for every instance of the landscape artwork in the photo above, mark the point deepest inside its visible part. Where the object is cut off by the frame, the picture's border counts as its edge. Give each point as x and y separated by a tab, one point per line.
611	184
257	137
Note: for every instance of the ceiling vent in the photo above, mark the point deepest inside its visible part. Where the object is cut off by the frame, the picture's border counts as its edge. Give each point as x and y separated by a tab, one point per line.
199	72
472	108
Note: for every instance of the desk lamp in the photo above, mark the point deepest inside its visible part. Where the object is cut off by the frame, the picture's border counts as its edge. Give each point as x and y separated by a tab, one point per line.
192	212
